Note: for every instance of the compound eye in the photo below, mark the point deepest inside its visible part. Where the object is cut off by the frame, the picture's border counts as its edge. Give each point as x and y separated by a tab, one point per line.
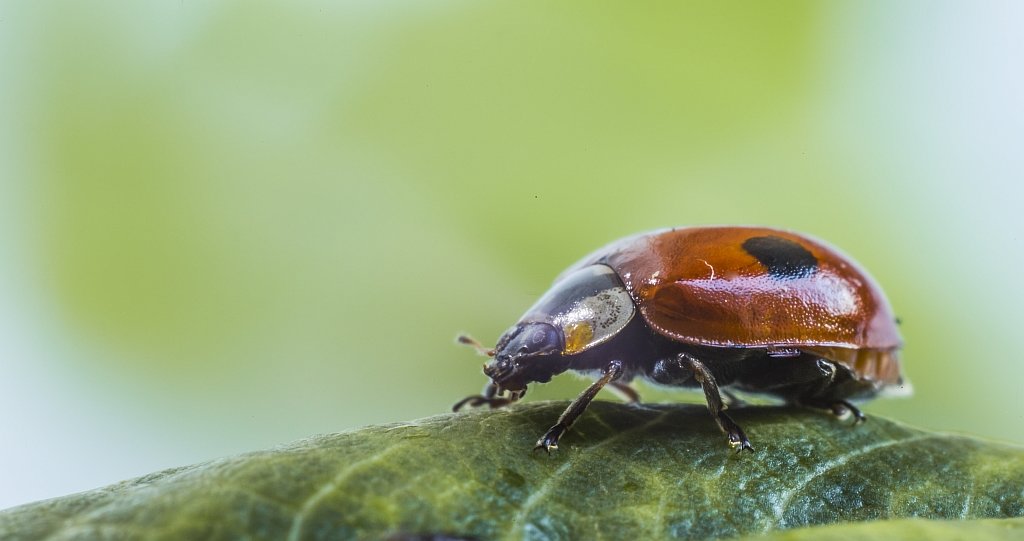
542	335
540	338
529	340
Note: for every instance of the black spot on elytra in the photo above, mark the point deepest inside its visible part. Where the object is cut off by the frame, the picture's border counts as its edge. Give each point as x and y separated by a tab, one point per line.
782	257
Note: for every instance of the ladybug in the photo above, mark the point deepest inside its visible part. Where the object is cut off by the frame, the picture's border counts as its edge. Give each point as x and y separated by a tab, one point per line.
754	309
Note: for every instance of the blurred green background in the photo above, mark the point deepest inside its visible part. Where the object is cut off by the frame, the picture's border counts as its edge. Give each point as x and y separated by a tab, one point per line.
228	225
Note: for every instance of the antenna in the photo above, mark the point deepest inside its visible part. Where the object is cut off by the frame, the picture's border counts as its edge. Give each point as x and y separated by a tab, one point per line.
468	340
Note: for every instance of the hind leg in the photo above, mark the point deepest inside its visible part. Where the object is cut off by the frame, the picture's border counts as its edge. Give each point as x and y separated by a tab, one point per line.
808	381
839	408
831	393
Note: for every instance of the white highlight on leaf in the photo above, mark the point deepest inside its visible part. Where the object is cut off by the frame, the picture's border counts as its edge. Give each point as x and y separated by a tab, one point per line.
965	513
783	500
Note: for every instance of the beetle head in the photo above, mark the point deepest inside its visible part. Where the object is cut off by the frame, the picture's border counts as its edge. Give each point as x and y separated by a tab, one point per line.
528	352
585	308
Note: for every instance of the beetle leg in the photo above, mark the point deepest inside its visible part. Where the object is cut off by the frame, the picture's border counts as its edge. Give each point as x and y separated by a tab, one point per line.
477	400
842	408
489	397
791	376
731	399
858	416
737	439
550	438
626	391
839	408
819	394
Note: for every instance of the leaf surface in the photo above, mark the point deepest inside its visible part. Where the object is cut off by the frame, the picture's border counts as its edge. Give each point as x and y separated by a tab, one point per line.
907	529
622	472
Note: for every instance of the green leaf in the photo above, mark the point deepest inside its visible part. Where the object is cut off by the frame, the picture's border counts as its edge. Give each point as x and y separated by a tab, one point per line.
909	529
622	472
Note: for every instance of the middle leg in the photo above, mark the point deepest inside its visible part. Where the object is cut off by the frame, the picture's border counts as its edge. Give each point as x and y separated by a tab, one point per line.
809	381
682	368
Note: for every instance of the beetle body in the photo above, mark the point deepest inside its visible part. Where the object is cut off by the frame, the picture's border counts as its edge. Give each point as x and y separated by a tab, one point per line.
755	309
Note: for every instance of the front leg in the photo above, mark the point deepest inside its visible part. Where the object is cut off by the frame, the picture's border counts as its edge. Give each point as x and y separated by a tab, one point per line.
550	438
490	397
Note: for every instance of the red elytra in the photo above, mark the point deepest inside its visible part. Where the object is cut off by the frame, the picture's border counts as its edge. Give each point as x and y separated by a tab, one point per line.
756	309
699	285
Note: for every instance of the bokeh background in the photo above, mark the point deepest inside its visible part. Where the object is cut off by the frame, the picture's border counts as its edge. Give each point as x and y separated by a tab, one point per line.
229	225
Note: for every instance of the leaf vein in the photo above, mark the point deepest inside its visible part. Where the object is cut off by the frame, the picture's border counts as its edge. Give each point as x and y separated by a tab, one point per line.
783	501
518	522
328	488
